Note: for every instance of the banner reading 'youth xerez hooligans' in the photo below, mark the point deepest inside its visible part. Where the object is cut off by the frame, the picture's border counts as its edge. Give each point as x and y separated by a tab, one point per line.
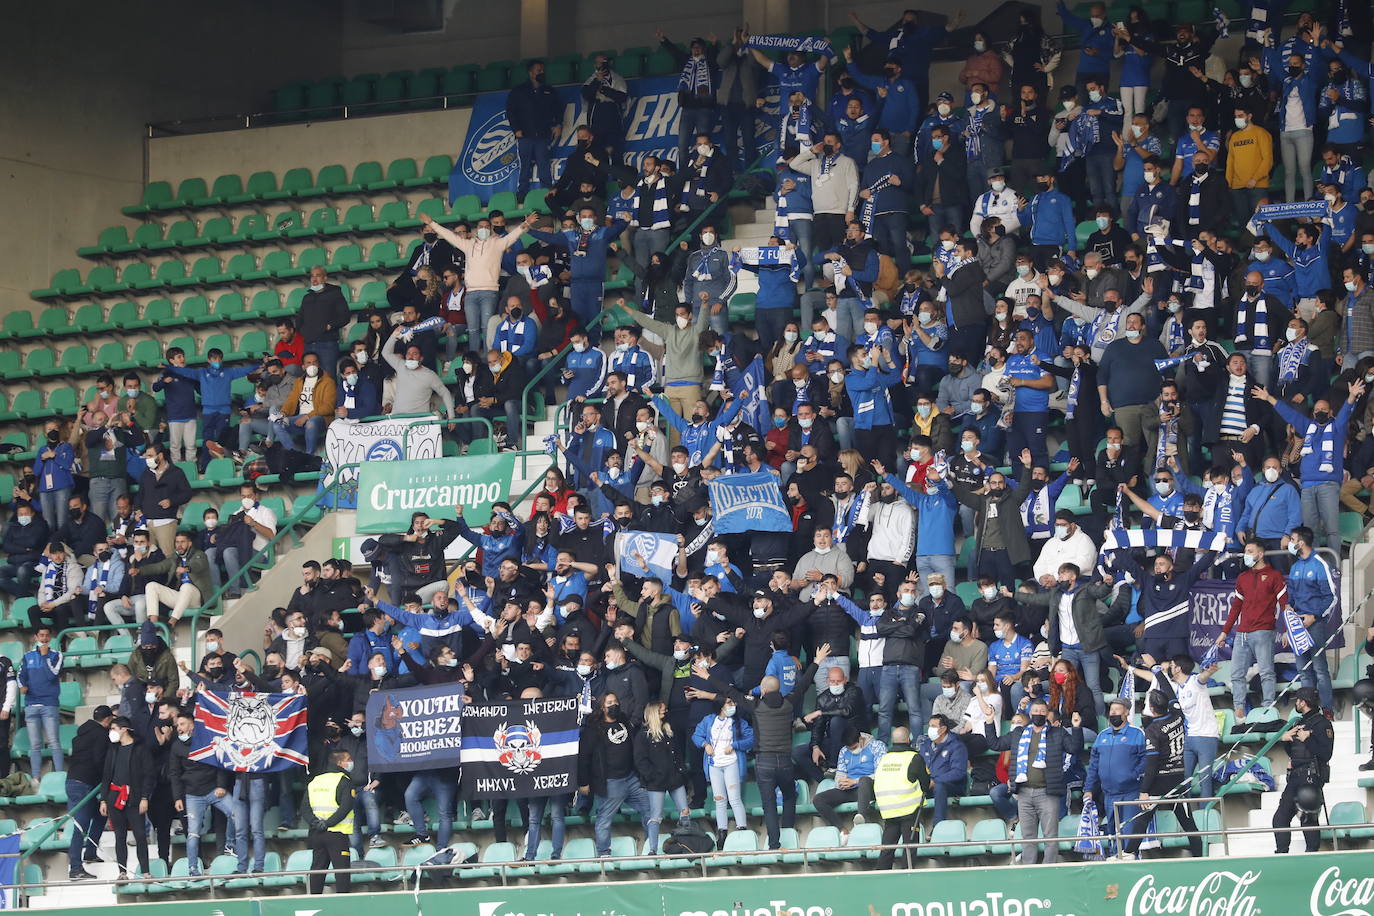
390	491
416	729
347	442
522	749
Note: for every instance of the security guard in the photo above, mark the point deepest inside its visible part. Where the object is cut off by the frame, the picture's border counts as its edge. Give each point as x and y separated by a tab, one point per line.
899	787
328	810
1310	743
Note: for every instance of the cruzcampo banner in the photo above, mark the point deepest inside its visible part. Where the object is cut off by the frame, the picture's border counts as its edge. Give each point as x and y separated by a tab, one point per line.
1330	884
390	491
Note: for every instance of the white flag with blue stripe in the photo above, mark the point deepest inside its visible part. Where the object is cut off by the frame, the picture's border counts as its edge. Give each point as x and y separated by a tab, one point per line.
659	552
1298	636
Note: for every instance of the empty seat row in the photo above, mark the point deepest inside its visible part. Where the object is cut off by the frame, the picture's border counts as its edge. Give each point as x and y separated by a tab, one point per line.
78	359
230	189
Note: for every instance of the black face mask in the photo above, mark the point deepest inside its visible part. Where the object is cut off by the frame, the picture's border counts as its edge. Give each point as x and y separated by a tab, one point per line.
1039	720
53	436
105	555
827	150
271	671
1116	721
1294	72
215	672
1321	416
614	713
1252	290
1043	185
430	238
1339	76
1191	515
1039	484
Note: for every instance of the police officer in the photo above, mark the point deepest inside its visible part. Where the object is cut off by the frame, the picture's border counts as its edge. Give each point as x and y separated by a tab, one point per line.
1164	772
328	810
1310	743
899	786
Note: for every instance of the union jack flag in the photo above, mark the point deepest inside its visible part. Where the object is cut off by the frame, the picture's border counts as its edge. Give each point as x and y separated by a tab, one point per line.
249	732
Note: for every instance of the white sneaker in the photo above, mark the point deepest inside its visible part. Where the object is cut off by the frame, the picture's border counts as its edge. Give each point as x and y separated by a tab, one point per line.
844	837
859	819
403	819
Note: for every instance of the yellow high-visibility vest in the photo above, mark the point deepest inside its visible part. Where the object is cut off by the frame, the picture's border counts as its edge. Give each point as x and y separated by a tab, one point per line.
323	790
894	794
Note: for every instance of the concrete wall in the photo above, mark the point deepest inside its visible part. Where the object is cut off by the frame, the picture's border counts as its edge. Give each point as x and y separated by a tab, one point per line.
312	145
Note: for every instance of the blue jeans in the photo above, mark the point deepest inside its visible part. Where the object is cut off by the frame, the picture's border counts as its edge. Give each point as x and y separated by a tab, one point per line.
1004	802
943	792
233	565
678	797
103	493
802	235
941	215
1252	648
1090	664
367	816
54	506
1028	431
587	297
739	131
871	683
849	319
889	234
533	151
1200	752
1101	178
907	678
196	807
1119	814
844	431
439	785
248	814
1321	511
620	791
480	305
42	722
1261	366
927	563
770	324
261	425
692	121
557	806
290	433
1316	674
86	825
646	241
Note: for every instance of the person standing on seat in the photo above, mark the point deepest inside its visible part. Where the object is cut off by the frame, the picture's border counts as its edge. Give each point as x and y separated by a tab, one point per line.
536	119
328	810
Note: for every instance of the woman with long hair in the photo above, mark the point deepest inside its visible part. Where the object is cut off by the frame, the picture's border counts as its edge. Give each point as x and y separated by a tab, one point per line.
556	487
378	330
658	761
724	739
1069	693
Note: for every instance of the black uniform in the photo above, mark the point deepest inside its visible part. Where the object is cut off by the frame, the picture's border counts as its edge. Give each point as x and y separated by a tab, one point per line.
1309	762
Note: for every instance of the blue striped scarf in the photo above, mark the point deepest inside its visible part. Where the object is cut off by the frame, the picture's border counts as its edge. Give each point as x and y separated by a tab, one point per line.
1075	382
662	218
1291	360
1168	438
1195	199
976	116
843	526
1222	23
1324	434
696	76
1176	336
1298	636
1023	762
802	396
1253	328
872	202
102	580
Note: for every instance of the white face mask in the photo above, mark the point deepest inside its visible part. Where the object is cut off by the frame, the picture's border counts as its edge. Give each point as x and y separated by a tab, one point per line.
1151	178
212	646
1138	130
1247	82
837	689
1132	333
712	557
1330	198
937	592
1061	532
760	613
350	380
316	287
976	97
679	467
483	234
998	185
999	633
149	696
789	336
412	364
871	327
682	321
989	592
1291	334
211	524
1271	475
312	371
151	462
944	109
708	239
1163	487
114	736
360	357
379	671
1092	272
948	692
933	733
1241	123
584	670
836	377
703	149
1249	560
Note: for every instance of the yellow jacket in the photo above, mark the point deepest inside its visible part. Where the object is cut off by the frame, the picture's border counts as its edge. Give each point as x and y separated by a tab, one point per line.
1249	157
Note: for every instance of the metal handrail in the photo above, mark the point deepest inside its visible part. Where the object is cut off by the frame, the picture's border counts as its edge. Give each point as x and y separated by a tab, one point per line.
607	864
283	528
48	830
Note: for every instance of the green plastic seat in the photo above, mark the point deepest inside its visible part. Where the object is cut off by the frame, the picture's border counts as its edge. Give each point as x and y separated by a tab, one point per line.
102	279
360	90
434	173
322	97
241	266
39	360
990	831
54	320
433	207
422	89
190	189
393	214
147	353
230	307
495	76
107	242
272	262
75	360
369	176
216	231
397	173
505	202
171	273
250	346
293	183
62	402
265	304
949	831
62	281
18	324
346	258
373	292
259	185
459	84
466	207
183	233
358	218
310	257
149	237
385	254
124	316
159	313
319	222
138	276
26	403
223	188
155	193
111	357
330	179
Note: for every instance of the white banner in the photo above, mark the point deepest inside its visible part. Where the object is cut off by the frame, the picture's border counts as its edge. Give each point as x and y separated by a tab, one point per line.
350	442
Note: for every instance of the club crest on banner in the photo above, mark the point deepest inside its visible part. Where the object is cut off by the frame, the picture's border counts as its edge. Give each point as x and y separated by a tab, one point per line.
384	450
518	747
492	157
249	732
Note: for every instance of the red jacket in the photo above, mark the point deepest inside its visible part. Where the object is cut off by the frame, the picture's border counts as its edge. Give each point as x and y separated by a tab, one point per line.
290	353
1259	597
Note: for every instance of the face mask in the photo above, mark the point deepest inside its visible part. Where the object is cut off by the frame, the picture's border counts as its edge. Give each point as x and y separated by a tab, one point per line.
316	287
944	109
1249	560
907	599
211	524
1163	487
680	654
584	670
1350	286
760	613
149	696
1038	720
1055	278
978	46
871	327
937	144
1241	123
1330	198
1061	532
483	234
114	736
1116	721
1151	178
212	646
1294	71
1246	81
923	410
1138	130
1191	515
836	377
26	520
875	148
412	364
1092	272
1271	475
779	422
708	239
712	557
1367	249
933	734
925	318
183	738
1094	95
1175	306
999	185
1103	222
728	712
1132	333
956	637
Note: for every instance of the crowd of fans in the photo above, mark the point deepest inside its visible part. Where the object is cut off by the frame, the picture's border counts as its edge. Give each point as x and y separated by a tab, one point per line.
925	427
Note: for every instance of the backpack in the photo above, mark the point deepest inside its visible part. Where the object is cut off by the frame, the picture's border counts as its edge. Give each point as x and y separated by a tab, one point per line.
688	839
16	784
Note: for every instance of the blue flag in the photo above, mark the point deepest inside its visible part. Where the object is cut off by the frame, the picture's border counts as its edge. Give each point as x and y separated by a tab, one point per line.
1088	843
249	732
658	550
1298	636
750	387
748	502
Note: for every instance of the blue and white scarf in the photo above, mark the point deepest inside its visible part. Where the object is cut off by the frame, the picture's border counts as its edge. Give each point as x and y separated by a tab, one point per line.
1222	23
1127	691
1298	636
1324	434
662	218
912	299
826	164
869	205
510	335
976	117
1292	357
1168	438
1131	538
1176	337
1216	508
1195	199
1343	28
1210	657
802	396
845	524
802	44
696	76
1075	382
1088	843
102	580
53	584
1317	209
182	559
767	256
718	373
1084	132
1253	329
782	227
702	271
1023	761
